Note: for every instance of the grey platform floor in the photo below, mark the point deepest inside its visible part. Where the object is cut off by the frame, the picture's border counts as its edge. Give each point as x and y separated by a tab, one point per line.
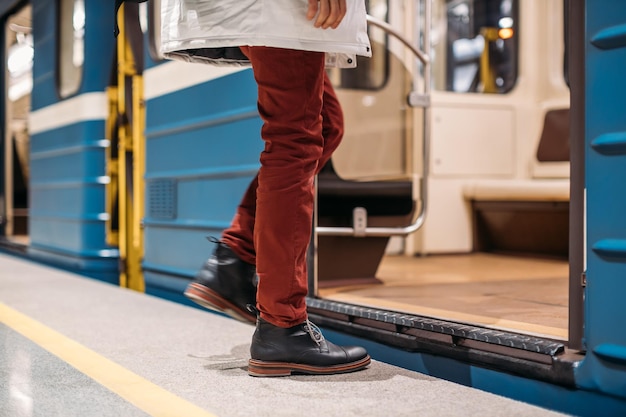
178	360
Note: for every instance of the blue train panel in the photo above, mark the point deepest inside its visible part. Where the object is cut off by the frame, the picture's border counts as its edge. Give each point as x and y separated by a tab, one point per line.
604	367
67	149
202	150
67	219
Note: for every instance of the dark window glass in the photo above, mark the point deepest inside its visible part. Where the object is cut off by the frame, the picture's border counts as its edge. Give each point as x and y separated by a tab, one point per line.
370	73
71	45
478	51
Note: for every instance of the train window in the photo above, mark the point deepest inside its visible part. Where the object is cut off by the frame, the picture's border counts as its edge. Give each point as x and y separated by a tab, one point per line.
370	73
475	45
71	46
20	54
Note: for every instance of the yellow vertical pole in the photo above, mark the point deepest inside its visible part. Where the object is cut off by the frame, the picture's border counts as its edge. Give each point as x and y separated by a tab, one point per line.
135	280
130	149
487	75
112	236
122	139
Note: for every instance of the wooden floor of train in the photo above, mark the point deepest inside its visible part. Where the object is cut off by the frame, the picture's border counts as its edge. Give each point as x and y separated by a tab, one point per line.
514	293
73	346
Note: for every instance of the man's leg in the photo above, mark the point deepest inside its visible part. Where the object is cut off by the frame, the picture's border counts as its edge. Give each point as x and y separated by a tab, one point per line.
291	91
290	95
240	235
332	122
226	282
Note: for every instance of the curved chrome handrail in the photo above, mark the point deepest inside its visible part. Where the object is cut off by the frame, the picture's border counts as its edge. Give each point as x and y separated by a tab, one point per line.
374	21
424	58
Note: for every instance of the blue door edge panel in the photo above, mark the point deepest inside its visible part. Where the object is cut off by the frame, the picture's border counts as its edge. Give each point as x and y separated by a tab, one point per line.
604	367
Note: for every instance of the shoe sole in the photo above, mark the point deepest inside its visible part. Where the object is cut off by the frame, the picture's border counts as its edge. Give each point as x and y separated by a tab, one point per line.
208	298
268	369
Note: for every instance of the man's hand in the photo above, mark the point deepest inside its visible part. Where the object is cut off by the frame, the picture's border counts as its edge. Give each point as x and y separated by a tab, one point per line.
329	13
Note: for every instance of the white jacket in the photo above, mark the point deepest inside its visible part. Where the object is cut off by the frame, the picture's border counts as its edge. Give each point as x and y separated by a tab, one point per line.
210	31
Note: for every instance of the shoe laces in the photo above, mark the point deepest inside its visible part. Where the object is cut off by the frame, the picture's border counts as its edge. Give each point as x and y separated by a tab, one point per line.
213	239
314	332
252	309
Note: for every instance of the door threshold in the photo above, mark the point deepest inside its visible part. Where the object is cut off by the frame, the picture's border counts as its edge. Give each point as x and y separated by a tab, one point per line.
524	355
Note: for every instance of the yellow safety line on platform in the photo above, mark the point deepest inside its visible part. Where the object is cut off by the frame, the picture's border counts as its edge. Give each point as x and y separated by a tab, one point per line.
140	392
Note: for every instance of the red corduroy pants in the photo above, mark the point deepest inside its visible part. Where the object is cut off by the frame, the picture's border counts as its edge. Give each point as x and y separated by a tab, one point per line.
303	125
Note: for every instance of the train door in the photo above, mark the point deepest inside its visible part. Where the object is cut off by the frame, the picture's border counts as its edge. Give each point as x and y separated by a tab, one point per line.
18	66
493	249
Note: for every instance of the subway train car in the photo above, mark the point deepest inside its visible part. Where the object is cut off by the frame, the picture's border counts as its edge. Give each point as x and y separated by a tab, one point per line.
468	227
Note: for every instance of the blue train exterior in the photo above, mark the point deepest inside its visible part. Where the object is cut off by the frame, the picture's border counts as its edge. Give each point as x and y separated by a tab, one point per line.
202	147
67	158
202	144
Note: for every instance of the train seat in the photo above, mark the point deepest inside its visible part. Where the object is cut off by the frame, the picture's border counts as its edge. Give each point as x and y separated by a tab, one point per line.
526	215
553	151
549	190
554	142
350	260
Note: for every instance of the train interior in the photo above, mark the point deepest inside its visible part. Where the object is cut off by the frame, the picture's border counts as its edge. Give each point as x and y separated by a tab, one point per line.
493	250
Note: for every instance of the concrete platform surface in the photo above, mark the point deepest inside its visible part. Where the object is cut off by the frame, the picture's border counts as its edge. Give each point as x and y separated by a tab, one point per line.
73	346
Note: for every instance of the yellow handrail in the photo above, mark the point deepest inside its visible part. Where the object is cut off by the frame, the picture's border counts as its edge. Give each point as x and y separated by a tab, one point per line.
126	167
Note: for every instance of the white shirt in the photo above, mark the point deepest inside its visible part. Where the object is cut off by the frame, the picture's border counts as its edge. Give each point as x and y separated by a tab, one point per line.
209	24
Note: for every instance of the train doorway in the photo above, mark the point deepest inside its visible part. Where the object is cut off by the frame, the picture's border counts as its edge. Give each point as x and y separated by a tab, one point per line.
18	70
493	251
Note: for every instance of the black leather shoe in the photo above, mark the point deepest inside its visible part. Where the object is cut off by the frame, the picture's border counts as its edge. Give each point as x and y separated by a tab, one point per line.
276	351
226	284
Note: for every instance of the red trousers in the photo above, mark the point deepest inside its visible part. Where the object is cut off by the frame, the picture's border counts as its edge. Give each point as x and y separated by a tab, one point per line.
303	125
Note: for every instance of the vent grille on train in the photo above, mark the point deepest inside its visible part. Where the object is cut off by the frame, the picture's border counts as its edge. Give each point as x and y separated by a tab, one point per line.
162	199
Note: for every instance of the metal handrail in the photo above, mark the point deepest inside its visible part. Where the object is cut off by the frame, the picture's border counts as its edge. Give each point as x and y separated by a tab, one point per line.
424	58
